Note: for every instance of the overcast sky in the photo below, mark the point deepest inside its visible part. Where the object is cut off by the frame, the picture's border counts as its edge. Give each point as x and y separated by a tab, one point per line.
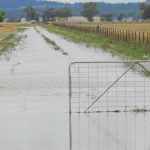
107	1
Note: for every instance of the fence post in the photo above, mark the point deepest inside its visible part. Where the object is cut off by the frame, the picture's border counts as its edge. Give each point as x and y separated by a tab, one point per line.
129	35
97	30
143	37
126	35
135	37
139	37
132	36
147	39
113	32
120	35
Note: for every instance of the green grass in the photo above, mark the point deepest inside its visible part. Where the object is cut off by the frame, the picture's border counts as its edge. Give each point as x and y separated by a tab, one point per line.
56	47
124	49
10	41
52	43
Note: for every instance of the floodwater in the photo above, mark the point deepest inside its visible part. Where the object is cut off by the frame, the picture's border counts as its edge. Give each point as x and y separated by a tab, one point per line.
34	102
110	131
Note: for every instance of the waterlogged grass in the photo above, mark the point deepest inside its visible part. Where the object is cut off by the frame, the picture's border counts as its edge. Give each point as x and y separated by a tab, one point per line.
124	49
56	47
8	43
10	38
52	43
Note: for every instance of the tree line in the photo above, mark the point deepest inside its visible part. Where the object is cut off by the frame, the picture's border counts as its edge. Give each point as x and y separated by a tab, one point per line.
145	10
90	10
50	14
2	14
61	13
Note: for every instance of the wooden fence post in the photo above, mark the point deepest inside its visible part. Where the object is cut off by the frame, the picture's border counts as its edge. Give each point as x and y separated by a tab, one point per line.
135	37
129	35
143	37
126	35
113	32
120	35
139	37
147	39
132	37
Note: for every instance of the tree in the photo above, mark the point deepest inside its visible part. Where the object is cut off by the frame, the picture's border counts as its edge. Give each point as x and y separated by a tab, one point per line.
31	13
2	14
52	13
120	17
66	12
45	15
108	17
90	9
145	10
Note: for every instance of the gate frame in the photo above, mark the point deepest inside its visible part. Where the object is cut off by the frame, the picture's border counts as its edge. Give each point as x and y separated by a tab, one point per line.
134	62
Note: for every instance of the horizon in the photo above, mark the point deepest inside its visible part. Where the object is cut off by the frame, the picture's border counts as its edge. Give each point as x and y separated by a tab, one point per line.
105	1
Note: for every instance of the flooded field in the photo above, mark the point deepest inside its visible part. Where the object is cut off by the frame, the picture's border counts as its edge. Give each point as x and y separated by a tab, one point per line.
34	102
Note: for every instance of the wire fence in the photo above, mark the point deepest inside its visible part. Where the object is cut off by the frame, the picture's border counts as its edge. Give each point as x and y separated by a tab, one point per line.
109	86
124	35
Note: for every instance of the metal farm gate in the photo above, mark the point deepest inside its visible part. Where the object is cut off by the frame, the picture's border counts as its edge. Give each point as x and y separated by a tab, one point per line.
109	86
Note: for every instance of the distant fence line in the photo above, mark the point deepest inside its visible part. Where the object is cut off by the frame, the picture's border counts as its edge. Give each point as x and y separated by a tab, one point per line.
124	35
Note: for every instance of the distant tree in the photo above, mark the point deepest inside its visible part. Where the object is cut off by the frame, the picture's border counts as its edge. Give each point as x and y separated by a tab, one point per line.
45	16
31	13
90	9
108	17
145	10
49	15
52	13
67	12
2	14
120	17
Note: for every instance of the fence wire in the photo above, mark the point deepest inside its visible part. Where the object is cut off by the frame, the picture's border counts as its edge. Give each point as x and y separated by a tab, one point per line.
109	86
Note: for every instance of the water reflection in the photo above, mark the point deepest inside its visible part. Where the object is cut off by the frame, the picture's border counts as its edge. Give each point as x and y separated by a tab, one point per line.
110	131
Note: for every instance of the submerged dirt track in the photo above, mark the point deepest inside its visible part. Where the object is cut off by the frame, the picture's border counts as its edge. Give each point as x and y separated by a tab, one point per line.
34	93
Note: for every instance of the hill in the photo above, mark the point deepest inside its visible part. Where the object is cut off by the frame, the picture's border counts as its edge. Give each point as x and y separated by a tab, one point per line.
14	8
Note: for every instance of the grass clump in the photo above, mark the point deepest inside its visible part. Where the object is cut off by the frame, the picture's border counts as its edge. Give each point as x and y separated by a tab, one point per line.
126	50
55	46
10	40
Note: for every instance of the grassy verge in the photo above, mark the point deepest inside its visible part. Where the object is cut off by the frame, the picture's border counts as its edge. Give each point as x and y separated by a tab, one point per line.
10	40
124	49
52	43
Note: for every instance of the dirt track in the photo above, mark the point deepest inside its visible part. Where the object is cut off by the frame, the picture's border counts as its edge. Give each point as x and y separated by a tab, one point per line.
34	92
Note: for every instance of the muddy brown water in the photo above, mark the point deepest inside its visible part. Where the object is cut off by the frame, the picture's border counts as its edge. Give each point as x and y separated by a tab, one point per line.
34	102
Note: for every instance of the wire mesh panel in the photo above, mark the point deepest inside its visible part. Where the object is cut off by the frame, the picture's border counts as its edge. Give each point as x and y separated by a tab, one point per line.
109	86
